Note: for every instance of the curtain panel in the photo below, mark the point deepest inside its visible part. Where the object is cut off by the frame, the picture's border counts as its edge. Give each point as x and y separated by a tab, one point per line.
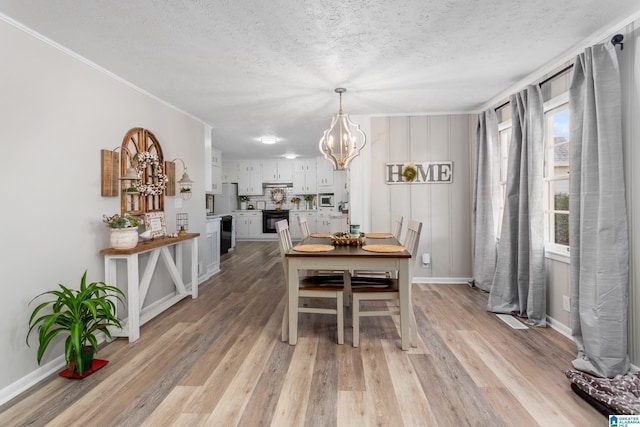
486	194
598	216
519	284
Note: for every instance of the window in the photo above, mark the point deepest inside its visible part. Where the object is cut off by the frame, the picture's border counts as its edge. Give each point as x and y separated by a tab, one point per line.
504	136
556	174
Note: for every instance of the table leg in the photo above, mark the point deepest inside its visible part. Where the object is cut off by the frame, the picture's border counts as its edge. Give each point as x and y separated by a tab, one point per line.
133	297
194	268
404	288
292	294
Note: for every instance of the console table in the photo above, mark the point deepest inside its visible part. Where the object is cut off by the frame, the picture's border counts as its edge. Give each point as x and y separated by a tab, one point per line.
139	286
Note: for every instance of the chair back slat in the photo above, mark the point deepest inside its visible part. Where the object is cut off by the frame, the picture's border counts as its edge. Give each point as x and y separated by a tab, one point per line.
304	226
284	241
397	227
412	238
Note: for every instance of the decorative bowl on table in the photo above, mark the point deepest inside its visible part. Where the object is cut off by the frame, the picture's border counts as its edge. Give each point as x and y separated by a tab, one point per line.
342	238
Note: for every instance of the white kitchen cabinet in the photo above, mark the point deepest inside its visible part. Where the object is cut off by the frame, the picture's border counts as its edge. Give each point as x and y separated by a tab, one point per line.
304	183
229	172
216	179
323	222
216	157
304	165
294	225
249	166
212	255
324	170
249	184
248	225
277	171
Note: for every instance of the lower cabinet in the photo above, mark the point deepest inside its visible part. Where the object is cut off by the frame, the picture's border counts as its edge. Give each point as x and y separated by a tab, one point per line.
212	236
294	225
248	225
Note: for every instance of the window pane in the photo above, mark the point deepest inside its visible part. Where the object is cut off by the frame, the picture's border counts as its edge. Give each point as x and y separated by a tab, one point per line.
560	191
561	229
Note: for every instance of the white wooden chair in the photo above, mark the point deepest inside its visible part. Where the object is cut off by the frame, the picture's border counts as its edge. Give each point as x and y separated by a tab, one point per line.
310	287
304	226
396	230
384	289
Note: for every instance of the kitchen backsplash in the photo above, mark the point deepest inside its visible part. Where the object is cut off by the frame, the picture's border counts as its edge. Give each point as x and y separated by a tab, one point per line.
266	198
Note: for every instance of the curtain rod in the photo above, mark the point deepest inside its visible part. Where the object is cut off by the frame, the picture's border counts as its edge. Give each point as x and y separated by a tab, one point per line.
615	40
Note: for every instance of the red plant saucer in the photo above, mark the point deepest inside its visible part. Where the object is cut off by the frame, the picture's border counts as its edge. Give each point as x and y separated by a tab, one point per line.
97	364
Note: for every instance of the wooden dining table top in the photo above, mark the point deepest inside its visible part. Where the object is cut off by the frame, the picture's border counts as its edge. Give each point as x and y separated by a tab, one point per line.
349	250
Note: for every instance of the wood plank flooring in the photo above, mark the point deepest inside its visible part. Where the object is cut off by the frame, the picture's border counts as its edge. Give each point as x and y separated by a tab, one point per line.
218	361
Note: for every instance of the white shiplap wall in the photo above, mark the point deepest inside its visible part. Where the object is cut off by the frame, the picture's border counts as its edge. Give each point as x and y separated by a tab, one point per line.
444	209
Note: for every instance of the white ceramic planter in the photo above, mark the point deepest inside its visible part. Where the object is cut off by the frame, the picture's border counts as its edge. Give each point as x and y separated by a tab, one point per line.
124	238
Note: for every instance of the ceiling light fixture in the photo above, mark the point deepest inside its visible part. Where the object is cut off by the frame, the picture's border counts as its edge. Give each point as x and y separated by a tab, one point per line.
268	140
290	156
342	142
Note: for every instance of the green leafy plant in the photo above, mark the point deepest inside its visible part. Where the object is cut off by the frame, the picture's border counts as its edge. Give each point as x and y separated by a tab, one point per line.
308	197
81	314
243	198
185	190
125	221
130	190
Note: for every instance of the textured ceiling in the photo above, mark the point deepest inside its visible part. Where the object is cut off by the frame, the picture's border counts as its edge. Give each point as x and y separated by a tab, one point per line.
254	68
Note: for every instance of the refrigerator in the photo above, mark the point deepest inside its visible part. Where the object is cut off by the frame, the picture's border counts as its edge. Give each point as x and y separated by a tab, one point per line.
226	202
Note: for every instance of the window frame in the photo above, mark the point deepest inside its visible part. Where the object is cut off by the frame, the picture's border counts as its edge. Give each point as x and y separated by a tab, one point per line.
553	250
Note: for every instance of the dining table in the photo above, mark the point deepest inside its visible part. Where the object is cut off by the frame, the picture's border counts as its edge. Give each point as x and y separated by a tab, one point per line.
352	258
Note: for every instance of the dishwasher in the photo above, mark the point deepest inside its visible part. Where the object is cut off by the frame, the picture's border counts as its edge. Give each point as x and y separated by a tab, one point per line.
226	234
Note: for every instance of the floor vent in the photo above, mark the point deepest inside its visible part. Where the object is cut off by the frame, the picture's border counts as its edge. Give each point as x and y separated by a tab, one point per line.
512	321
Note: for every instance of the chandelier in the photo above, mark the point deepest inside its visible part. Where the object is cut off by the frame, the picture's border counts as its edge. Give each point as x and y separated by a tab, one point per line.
343	140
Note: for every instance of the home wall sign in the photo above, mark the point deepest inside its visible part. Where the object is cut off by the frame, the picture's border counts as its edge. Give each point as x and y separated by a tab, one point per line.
419	173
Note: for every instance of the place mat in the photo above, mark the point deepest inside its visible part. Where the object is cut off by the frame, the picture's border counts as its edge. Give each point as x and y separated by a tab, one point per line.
379	235
320	235
313	248
383	248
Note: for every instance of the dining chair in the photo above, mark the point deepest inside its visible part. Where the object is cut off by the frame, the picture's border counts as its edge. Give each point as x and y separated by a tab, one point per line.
396	230
384	289
304	226
310	287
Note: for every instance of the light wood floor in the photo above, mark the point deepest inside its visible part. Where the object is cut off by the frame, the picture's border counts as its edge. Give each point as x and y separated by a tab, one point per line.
218	361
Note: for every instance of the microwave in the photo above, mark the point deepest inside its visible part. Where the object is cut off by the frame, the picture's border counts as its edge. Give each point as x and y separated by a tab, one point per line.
325	200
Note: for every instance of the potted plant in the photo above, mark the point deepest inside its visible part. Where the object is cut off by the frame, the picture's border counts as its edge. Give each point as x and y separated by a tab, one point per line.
124	230
81	314
243	202
309	198
296	201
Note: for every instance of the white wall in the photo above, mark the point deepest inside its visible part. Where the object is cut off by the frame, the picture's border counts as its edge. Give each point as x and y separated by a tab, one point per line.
444	209
56	114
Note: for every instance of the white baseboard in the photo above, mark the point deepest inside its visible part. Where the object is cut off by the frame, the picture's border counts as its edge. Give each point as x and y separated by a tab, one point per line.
443	280
560	327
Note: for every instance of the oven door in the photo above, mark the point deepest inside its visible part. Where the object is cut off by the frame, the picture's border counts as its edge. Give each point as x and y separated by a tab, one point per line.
269	220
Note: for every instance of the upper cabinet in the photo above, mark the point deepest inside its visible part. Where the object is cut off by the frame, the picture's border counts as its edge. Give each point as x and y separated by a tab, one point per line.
216	157
249	178
304	165
325	173
249	166
229	171
277	171
216	171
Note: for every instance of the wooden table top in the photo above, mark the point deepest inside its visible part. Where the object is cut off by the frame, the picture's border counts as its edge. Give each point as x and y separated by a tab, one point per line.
349	250
147	245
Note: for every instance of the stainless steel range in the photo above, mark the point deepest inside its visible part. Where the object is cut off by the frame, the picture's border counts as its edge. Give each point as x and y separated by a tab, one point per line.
270	217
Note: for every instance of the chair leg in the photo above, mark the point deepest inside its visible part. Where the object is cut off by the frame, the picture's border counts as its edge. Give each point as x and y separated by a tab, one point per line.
340	316
285	321
355	306
414	330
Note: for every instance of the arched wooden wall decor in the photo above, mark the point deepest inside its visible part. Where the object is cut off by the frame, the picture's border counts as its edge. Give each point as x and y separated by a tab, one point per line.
141	151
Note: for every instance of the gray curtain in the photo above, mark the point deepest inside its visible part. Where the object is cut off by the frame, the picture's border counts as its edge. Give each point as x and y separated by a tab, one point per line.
486	193
598	218
519	284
